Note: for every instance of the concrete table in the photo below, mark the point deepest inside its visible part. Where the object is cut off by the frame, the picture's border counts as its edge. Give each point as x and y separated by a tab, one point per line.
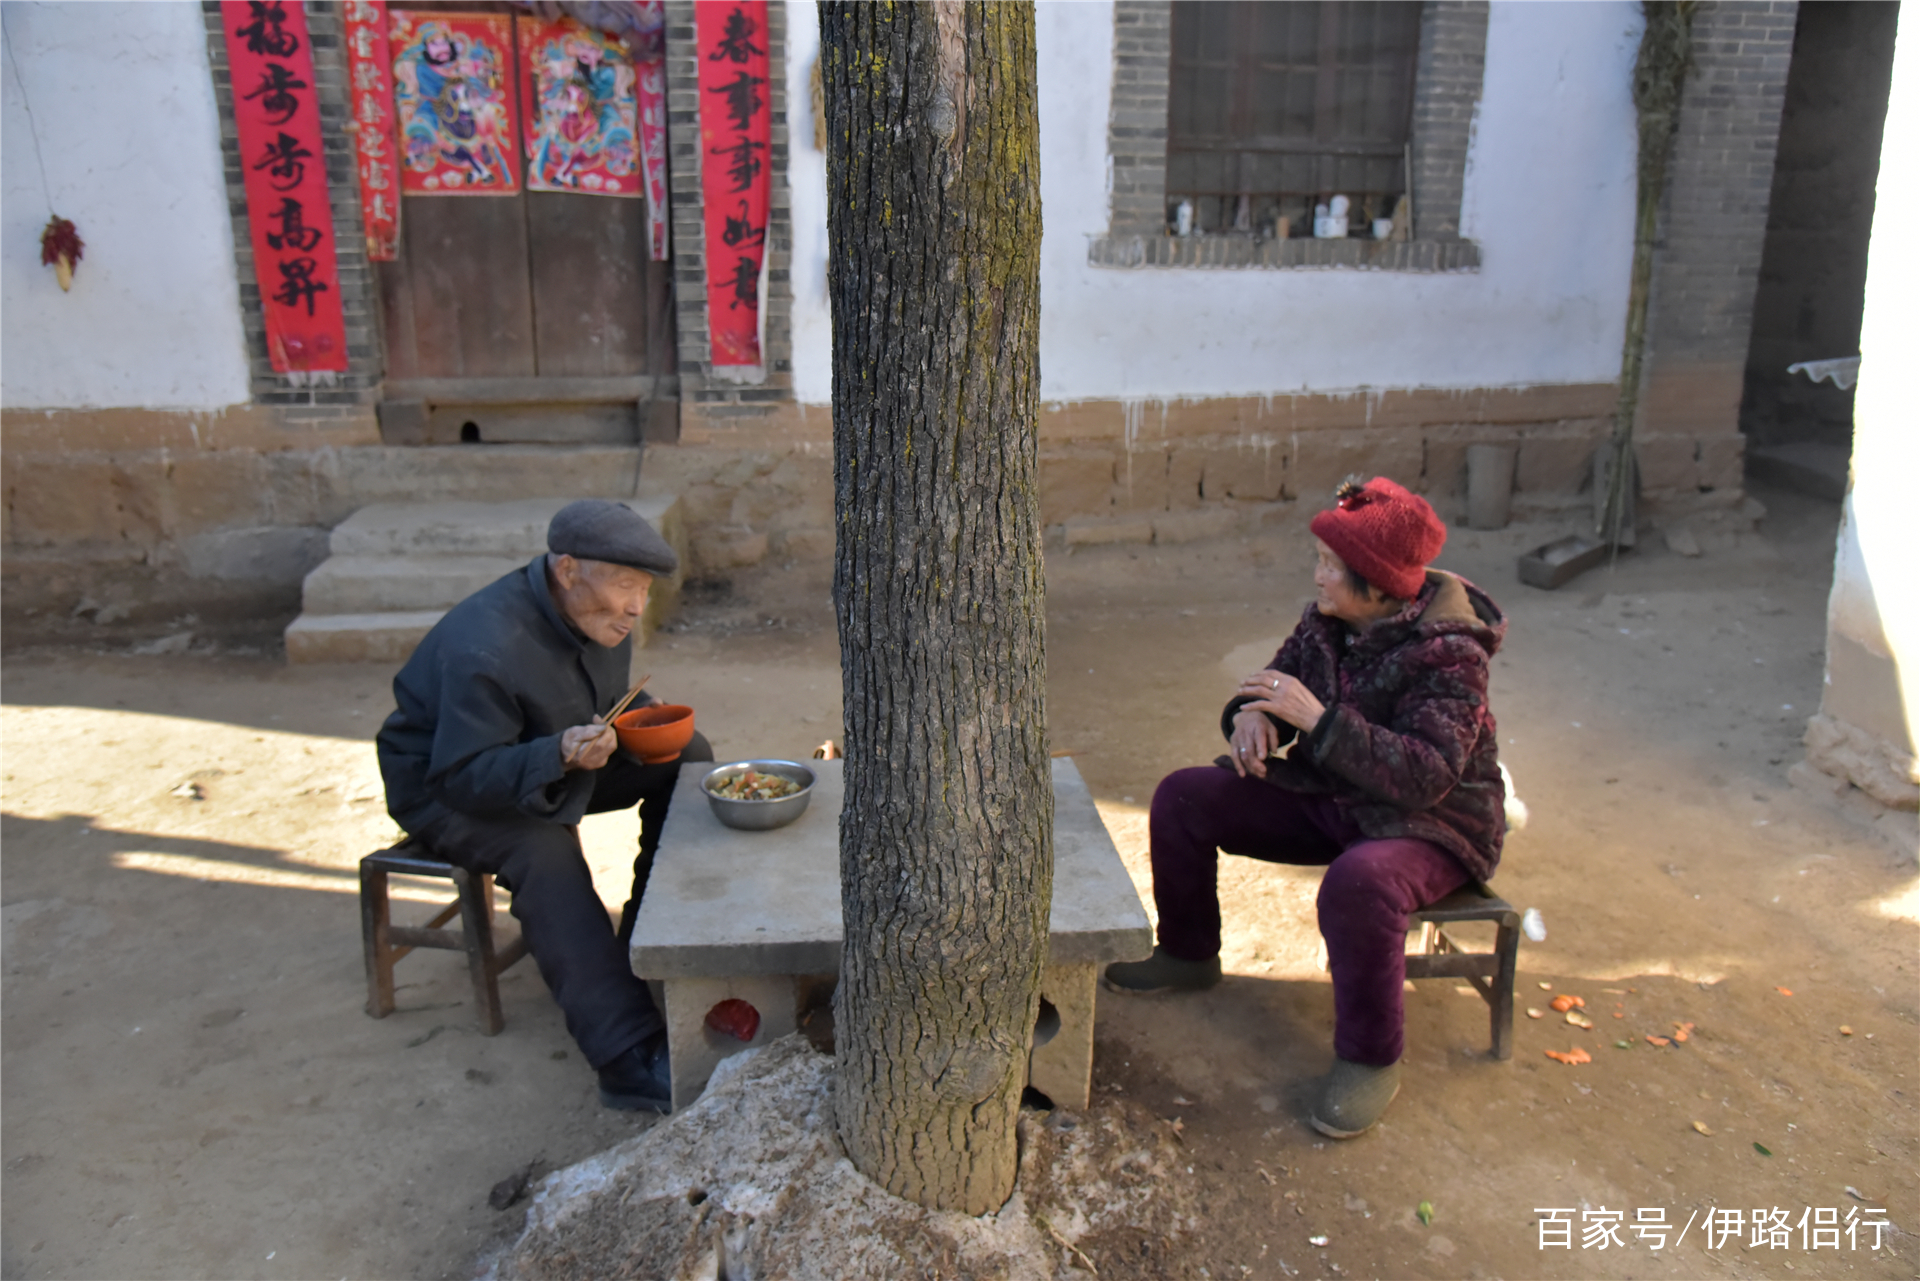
756	916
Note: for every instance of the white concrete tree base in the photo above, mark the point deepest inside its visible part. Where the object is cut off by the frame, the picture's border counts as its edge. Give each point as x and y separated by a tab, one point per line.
751	1182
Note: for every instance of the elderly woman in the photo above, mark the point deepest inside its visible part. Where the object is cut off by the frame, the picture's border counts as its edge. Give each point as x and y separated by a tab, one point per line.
1367	747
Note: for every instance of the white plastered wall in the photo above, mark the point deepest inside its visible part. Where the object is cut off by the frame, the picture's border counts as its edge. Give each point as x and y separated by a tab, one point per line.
1873	621
122	101
1549	196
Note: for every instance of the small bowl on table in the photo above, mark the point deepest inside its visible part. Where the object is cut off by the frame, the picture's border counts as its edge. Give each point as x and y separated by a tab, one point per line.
759	815
656	733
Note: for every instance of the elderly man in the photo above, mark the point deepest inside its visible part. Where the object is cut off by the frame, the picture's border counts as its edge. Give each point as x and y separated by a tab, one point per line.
497	748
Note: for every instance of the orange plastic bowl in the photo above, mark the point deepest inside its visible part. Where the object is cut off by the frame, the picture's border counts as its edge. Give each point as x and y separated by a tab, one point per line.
656	734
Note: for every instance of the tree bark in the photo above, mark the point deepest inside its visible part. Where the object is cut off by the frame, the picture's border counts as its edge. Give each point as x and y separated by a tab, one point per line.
946	841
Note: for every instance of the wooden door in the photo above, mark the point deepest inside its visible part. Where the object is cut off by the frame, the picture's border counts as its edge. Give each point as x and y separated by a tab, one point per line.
542	284
537	316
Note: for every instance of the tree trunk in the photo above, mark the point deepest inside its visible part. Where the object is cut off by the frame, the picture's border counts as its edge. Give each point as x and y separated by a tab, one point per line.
946	842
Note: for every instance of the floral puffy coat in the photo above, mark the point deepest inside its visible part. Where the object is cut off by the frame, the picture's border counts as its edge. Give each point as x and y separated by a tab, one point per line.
1408	746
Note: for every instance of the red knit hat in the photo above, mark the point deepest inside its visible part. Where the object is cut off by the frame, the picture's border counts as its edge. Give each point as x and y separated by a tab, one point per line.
1384	533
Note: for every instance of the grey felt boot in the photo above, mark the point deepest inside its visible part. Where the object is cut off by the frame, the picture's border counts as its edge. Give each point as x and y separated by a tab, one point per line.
1356	1096
1163	973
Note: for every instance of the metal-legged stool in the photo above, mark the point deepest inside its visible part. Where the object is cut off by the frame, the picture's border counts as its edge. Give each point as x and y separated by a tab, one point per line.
1491	973
386	942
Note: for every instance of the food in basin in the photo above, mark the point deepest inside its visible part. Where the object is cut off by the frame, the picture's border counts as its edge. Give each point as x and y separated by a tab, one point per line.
758	795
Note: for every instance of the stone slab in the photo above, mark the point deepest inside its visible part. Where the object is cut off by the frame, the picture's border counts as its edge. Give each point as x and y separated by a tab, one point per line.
724	902
357	638
396	568
1805	466
356	584
515	529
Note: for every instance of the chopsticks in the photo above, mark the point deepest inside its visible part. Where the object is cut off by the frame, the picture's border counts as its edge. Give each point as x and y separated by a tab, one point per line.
631	694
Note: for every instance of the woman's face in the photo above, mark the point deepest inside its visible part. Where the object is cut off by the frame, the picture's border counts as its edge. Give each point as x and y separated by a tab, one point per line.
1334	595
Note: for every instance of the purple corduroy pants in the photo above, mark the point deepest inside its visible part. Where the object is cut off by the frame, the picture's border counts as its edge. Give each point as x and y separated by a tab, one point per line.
1370	888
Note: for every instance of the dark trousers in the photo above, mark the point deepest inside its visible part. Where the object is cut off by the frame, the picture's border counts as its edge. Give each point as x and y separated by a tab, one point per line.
1370	888
581	956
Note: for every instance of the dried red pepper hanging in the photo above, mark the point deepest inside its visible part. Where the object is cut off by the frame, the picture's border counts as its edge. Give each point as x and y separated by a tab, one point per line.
60	248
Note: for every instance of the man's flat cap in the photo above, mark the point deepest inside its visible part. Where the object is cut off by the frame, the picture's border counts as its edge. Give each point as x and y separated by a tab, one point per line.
600	529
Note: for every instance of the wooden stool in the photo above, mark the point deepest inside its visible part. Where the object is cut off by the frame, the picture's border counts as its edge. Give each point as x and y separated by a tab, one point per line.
1491	973
386	942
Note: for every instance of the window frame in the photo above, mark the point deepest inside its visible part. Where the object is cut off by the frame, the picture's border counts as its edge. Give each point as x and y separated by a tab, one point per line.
1449	68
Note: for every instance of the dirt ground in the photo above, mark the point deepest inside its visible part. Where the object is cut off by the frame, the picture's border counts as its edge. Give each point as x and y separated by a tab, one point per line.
191	1087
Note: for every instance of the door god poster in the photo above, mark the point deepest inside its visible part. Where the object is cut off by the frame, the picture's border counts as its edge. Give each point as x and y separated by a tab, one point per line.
453	102
736	134
577	90
276	113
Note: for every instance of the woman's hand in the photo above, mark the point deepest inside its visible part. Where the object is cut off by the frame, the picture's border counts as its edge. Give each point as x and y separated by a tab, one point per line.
1254	738
1284	696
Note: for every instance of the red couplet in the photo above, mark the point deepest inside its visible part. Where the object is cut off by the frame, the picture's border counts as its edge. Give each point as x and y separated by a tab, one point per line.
370	85
653	153
276	110
736	135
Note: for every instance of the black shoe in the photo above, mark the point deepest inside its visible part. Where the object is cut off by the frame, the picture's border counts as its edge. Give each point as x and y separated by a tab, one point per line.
639	1079
1163	973
1356	1095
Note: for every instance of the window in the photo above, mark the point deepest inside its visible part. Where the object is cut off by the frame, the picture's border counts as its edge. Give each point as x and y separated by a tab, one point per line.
1273	109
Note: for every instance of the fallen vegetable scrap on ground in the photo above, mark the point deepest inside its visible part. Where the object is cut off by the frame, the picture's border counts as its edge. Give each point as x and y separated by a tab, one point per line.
1567	1001
1575	1055
1784	991
1702	1127
1657	1040
1682	1030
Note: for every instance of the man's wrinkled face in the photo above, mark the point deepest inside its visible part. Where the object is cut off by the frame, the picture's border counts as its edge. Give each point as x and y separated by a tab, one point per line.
604	601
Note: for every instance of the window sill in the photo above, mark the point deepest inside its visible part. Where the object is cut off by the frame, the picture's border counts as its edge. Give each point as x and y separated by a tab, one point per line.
1246	253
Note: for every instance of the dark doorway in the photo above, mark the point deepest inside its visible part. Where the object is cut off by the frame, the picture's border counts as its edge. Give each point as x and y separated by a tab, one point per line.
1814	269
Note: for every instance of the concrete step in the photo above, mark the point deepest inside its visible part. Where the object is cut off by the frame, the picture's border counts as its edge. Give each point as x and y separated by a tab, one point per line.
358	638
357	584
1808	467
395	568
517	529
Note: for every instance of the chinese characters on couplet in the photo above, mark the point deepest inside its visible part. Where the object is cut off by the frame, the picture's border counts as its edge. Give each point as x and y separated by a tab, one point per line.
1772	1228
277	119
735	141
370	75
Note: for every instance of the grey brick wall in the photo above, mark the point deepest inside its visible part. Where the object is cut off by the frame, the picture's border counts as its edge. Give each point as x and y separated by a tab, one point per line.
1720	181
1714	218
359	386
1447	78
1452	60
699	388
1137	118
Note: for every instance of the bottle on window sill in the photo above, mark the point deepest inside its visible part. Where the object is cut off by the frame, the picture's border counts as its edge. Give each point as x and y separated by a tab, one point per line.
1330	219
1183	219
